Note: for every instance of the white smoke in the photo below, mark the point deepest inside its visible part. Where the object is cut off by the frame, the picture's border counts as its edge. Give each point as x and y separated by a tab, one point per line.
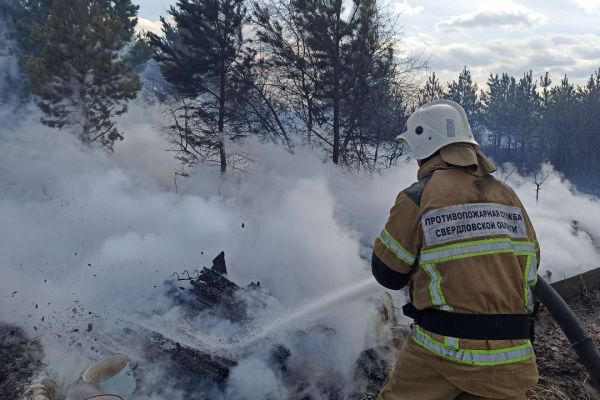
253	379
80	227
567	224
85	232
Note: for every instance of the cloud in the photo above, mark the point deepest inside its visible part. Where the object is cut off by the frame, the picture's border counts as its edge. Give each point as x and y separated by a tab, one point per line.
407	9
590	6
494	14
147	25
577	55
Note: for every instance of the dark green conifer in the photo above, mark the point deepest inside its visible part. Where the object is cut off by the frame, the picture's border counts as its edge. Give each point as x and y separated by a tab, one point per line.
76	72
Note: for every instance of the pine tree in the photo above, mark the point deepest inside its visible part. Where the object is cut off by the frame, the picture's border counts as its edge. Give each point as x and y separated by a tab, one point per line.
498	106
371	105
563	122
545	143
588	132
30	18
287	63
336	71
328	37
527	122
465	92
76	72
10	72
432	90
545	84
560	124
199	56
571	123
139	53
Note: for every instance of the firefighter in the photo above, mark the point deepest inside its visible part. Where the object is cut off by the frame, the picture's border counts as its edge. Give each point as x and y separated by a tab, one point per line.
466	245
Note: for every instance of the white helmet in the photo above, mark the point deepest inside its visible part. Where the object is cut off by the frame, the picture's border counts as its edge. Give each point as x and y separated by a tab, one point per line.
435	125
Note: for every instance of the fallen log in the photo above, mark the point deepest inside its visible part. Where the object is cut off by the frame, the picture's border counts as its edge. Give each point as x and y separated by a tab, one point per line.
577	285
186	361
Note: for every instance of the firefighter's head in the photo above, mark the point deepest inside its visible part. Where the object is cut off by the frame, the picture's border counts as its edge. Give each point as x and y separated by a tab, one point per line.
435	125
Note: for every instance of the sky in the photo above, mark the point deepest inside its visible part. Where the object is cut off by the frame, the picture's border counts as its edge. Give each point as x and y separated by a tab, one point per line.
558	36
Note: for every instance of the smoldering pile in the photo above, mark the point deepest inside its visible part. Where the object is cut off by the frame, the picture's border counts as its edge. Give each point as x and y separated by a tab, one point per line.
190	368
197	373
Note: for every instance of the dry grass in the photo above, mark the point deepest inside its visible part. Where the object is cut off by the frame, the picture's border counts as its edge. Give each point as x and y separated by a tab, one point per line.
548	392
562	377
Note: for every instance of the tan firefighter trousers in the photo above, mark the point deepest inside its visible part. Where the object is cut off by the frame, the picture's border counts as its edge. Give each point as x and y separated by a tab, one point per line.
413	378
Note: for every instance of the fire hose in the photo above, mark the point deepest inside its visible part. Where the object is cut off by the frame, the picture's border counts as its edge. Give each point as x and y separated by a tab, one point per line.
572	328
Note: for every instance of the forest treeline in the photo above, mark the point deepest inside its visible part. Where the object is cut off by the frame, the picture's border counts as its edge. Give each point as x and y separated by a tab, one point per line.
528	121
328	73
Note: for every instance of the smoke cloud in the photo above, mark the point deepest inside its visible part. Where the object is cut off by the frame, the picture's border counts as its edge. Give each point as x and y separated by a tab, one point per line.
100	233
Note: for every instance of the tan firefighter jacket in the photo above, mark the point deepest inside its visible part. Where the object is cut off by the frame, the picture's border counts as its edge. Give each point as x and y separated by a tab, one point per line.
470	247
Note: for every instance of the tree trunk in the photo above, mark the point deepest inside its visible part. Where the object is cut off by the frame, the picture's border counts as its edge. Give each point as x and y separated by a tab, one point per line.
309	107
222	121
310	121
85	125
336	106
274	114
344	147
376	155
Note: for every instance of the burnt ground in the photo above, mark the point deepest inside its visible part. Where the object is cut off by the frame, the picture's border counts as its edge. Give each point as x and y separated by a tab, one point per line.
17	369
561	375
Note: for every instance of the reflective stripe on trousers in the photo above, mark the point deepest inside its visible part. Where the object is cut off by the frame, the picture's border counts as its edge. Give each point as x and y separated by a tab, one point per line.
503	356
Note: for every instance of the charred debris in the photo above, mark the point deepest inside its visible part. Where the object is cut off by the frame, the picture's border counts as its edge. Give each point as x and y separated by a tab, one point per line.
203	374
211	291
195	374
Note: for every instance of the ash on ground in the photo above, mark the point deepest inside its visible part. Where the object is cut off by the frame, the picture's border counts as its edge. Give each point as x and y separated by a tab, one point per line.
177	362
202	372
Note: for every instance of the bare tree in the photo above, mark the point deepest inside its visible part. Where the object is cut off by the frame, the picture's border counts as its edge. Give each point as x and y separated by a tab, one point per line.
505	173
198	54
540	177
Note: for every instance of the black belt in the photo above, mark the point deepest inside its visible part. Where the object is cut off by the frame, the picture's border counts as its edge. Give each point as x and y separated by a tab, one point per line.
472	326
